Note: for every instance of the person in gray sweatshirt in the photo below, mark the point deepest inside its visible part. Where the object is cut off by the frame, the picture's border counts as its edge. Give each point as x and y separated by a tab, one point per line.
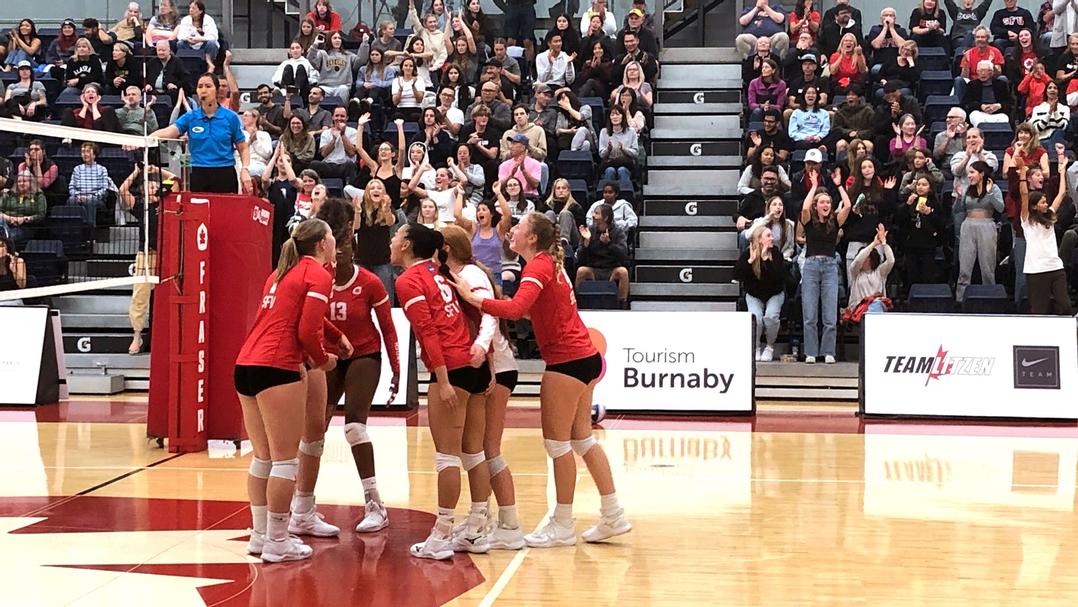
624	215
337	67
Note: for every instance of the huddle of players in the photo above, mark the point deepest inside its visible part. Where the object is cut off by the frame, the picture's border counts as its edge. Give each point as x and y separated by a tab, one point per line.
314	339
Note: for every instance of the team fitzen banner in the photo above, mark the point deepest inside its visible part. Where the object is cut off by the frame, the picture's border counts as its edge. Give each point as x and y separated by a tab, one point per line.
685	362
970	366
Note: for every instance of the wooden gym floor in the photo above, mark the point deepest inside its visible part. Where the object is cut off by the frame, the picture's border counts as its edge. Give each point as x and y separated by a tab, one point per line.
790	507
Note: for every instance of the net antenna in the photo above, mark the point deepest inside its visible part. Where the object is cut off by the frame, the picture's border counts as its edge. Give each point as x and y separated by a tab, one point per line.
75	136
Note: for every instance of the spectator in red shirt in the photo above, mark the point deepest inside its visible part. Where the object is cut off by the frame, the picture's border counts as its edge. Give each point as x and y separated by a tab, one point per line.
981	51
325	19
804	17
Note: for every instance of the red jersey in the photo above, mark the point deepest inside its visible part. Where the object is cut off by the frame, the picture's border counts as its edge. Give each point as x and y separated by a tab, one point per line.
430	303
549	298
350	308
288	327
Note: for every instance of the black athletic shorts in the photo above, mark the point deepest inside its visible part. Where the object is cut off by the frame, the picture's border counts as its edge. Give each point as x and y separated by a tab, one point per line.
507	379
583	369
252	379
343	364
469	379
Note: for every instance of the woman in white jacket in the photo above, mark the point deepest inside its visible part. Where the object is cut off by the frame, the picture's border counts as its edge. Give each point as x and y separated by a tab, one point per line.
198	31
295	71
258	141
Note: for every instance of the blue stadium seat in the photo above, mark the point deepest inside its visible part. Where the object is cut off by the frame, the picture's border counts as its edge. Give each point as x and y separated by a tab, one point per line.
935	82
933	58
597	295
334	186
45	261
581	192
931	299
936	107
997	136
576	165
71	225
986	299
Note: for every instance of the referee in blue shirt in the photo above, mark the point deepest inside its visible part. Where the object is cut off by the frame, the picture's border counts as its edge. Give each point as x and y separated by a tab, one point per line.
213	132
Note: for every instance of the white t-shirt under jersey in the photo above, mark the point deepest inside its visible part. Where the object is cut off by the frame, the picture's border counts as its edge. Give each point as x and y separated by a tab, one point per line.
489	331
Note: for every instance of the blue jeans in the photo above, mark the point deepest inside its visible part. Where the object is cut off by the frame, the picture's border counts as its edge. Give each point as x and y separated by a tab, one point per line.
876	307
388	277
620	174
16	55
819	291
767	317
209	48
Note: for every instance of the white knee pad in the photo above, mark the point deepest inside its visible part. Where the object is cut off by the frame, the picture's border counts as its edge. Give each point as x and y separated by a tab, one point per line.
285	469
260	468
471	460
356	434
557	448
496	465
314	448
583	445
443	461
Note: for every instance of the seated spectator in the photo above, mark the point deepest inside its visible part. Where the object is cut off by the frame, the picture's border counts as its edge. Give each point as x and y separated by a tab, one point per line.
649	21
132	118
22	209
386	42
599	9
23	45
819	275
129	29
295	73
810	124
492	72
853	120
428	215
511	192
633	79
63	46
791	65
12	270
544	113
850	164
574	124
165	73
564	210
918	164
1066	64
510	72
375	79
964	19
754	203
298	143
1050	117
483	140
648	43
44	170
337	147
92	115
903	71
270	114
752	65
162	26
761	269
847	65
90	184
198	31
772	134
977	231
1007	22
806	77
952	139
122	70
988	98
25	97
1033	86
928	24
628	102
838	21
100	40
438	141
570	36
537	146
326	20
470	176
427	30
316	117
868	278
885	39
981	51
618	147
1020	62
624	216
804	18
907	137
7	173
522	166
408	90
762	21
648	62
800	183
782	229
336	66
83	68
895	105
604	253
553	67
920	220
766	92
259	144
1043	266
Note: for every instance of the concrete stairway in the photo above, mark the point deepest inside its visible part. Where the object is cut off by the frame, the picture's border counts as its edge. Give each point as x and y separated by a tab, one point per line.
687	243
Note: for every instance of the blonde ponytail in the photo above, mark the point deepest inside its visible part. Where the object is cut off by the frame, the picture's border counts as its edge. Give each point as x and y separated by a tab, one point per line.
558	251
304	241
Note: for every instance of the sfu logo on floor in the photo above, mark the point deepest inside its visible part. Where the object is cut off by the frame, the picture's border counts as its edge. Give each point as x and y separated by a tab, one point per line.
1036	367
943	364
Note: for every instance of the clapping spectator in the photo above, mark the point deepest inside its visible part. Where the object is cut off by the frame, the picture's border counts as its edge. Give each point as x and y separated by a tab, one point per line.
92	114
258	142
337	147
23	45
761	270
1050	118
928	24
618	147
624	216
804	18
633	52
847	65
868	278
762	21
952	139
645	36
604	253
90	184
198	31
907	137
522	166
553	67
22	208
408	90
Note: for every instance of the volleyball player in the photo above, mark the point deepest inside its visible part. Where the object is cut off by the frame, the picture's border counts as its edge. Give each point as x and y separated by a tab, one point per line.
439	324
506	534
270	380
573	366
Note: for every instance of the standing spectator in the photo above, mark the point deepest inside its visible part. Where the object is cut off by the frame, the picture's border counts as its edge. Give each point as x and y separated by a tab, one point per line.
599	9
624	216
963	19
868	278
978	233
1025	150
443	193
988	98
434	40
819	276
478	23
374	221
198	31
90	184
129	29
295	73
553	67
874	201
1043	266
162	26
952	139
336	66
618	147
131	195
132	118
928	24
526	169
1008	21
520	24
83	68
326	20
920	220
22	209
483	141
23	45
843	20
766	92
974	151
847	64
92	114
1050	118
1064	23
604	254
762	21
761	270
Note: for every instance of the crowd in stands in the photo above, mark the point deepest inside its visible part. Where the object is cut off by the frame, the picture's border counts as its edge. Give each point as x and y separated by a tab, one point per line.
879	156
454	120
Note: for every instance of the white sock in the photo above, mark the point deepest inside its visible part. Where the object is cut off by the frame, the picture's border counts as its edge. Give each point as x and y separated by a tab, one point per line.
302	502
370	490
507	517
277	526
563	513
608	505
477	516
258	518
444	524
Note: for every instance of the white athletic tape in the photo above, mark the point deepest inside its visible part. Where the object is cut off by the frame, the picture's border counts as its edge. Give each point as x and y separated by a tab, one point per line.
583	445
557	448
314	448
356	434
471	460
77	287
443	461
260	468
285	469
496	465
42	129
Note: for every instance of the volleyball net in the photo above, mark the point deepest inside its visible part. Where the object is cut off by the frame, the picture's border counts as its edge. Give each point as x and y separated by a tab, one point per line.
79	209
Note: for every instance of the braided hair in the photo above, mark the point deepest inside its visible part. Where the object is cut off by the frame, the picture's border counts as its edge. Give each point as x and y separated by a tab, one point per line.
548	238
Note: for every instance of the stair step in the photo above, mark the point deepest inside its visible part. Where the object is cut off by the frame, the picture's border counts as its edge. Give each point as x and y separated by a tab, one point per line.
665	289
126	248
100	344
689	188
698	122
684	306
774	381
92	304
696	109
700	161
807	393
692	146
95	384
95	321
699	55
699	222
690	208
704	179
689	240
732	95
684	274
653	254
687	133
781	369
248	77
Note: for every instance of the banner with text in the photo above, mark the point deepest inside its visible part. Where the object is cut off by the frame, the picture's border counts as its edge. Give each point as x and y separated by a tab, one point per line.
684	362
970	366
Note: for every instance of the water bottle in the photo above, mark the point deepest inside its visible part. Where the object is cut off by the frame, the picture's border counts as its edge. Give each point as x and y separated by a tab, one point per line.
795	349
